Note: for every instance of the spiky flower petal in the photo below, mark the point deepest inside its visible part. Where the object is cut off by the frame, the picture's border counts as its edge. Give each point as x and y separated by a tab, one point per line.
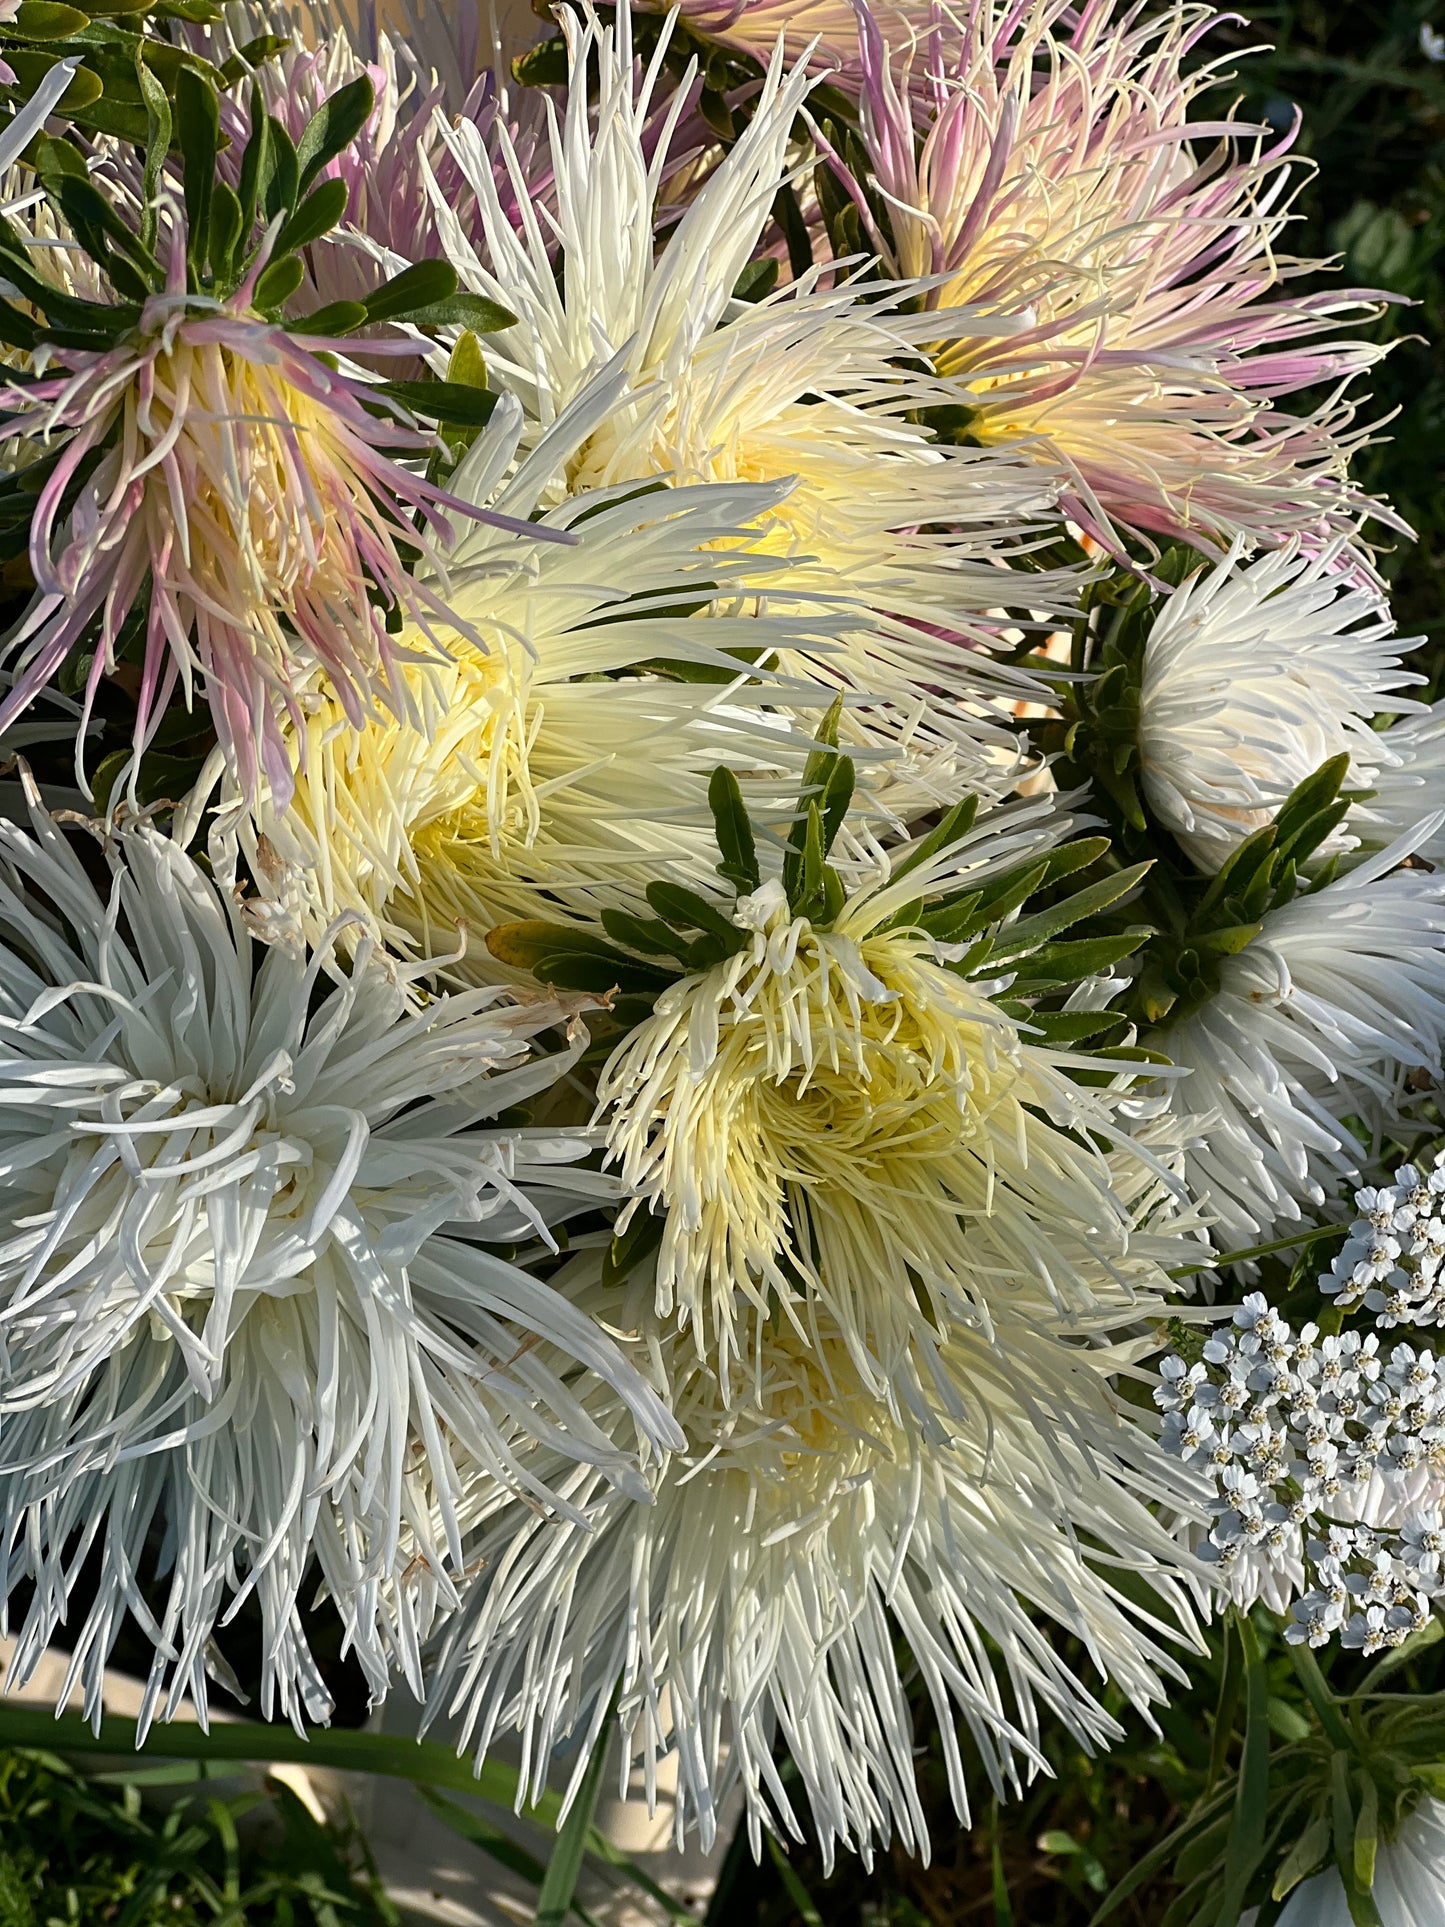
246	1304
1040	160
1253	676
217	472
1315	1029
805	1533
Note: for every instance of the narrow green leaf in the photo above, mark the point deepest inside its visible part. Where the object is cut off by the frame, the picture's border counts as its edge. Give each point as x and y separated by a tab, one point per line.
554	1902
1072	961
279	182
255	162
225	230
1231	1679
1306	1856
198	134
333	127
951	829
1029	932
158	146
419	286
735	841
1251	1805
449	401
792	1886
651	936
686	910
1367	1833
315	216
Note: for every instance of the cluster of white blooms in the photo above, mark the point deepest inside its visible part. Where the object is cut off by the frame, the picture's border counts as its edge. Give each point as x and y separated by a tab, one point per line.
1392	1261
897	1128
1324	1454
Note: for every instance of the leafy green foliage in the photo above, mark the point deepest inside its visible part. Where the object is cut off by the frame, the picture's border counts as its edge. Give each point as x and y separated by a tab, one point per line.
148	1845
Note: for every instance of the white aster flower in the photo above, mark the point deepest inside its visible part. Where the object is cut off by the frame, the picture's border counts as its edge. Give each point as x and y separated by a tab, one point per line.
833	1115
1409	1889
1409	783
810	384
804	1534
590	689
246	1304
1317	1022
1253	676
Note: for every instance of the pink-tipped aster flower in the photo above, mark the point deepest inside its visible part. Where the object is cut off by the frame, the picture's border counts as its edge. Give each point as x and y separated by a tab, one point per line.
1039	159
415	81
243	487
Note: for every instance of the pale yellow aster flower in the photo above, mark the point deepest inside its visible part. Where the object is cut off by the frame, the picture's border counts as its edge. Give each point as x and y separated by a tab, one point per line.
818	387
833	1115
807	1535
563	749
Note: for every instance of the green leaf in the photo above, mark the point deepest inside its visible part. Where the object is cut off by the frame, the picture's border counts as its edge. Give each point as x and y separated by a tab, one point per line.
225	230
198	135
1367	1833
47	20
1029	932
279	180
950	829
419	286
1307	1856
333	127
573	959
464	310
483	1833
628	1248
450	401
247	58
735	840
336	318
158	145
30	66
554	1902
1069	963
685	910
792	1886
466	364
278	281
1063	1028
255	161
1245	1846
757	280
315	216
544	65
652	938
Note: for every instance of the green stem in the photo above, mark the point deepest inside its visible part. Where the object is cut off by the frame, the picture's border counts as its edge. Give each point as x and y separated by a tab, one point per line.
554	1902
1317	1690
1251	1252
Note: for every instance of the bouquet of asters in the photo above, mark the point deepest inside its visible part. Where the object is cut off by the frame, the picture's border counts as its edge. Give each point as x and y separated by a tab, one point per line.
722	938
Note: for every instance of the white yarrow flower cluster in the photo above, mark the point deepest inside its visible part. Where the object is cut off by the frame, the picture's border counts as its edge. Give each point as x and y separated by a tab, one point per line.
1328	1460
1392	1261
